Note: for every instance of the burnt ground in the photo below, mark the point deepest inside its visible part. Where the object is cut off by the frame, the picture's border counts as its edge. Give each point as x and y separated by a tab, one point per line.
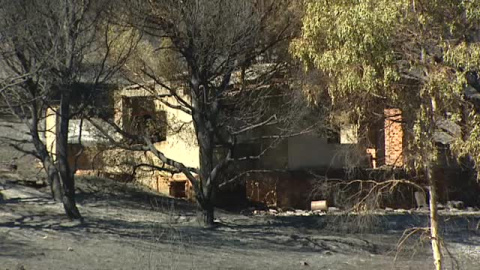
127	227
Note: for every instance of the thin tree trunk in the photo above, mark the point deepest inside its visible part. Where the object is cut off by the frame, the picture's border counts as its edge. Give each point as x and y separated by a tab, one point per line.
53	179
434	234
62	159
432	182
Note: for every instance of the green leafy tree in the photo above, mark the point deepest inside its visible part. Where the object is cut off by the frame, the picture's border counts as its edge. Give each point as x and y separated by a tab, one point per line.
419	56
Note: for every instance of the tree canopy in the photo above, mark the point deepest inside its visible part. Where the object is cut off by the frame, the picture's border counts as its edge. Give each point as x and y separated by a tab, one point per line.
419	56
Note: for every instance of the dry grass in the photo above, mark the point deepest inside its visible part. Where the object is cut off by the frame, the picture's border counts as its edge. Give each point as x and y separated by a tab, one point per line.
167	231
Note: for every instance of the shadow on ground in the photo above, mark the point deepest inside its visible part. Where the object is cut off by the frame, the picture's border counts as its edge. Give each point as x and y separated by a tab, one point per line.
127	214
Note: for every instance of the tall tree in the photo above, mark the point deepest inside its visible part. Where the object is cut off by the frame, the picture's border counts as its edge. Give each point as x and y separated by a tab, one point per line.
419	56
226	54
52	51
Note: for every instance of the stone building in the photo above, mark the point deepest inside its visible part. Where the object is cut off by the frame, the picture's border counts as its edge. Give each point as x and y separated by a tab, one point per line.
134	110
283	182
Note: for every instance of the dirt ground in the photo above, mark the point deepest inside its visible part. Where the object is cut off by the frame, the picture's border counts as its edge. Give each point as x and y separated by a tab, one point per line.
127	227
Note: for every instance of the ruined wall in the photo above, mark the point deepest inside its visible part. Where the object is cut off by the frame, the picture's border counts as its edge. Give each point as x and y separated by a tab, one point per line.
276	157
394	138
179	144
279	189
50	130
98	158
310	152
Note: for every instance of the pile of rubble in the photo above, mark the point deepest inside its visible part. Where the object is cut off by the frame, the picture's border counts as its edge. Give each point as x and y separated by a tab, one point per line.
448	208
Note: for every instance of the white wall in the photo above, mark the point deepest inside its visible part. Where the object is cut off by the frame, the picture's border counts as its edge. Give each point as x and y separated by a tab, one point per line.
180	144
90	134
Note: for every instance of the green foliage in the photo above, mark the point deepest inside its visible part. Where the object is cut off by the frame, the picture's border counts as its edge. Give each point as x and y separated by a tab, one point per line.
350	42
408	54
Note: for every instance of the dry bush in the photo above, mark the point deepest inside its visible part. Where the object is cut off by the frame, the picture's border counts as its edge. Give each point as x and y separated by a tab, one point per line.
412	240
166	231
365	222
358	215
359	200
417	239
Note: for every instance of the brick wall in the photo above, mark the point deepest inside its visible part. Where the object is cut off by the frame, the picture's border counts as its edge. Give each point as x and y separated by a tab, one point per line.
393	137
280	189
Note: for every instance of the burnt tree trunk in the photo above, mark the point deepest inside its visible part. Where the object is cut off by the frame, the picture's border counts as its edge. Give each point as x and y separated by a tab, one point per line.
208	216
203	119
63	167
53	179
205	198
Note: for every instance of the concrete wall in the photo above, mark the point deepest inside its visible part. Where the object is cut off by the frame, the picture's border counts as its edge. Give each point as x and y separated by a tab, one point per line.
50	130
90	134
275	157
180	143
311	152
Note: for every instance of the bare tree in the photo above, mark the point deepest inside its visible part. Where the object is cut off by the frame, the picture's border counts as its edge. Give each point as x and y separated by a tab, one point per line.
228	59
54	51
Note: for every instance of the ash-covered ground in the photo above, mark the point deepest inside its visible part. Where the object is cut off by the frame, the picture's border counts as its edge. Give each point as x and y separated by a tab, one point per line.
127	227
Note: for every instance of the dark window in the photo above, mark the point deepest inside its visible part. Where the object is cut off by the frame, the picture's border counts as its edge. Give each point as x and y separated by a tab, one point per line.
178	189
333	137
141	118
